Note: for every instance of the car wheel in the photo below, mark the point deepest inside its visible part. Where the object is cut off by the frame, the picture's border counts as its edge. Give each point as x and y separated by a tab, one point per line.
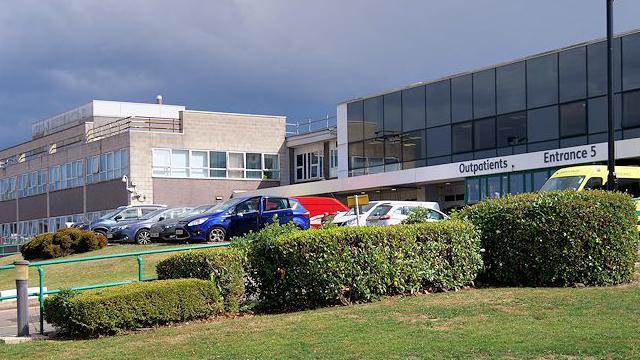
216	234
143	237
100	232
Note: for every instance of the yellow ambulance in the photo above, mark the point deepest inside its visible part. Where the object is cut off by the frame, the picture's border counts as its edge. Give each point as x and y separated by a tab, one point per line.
589	177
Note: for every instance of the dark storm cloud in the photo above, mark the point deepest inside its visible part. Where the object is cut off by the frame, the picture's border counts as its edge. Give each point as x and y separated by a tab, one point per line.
296	58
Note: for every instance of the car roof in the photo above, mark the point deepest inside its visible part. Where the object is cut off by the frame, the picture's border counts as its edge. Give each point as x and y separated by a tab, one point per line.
428	204
592	170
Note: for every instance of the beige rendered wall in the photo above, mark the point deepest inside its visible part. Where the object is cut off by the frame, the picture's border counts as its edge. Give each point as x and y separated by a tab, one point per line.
206	131
196	192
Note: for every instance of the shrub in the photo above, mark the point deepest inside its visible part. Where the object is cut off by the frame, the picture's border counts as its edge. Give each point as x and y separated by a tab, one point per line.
417	216
34	248
354	264
225	267
112	310
557	238
62	243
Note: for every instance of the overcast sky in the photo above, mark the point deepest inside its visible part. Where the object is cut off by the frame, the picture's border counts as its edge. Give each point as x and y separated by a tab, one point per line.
287	57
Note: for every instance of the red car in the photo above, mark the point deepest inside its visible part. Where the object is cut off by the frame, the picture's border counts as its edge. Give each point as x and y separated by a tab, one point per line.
320	207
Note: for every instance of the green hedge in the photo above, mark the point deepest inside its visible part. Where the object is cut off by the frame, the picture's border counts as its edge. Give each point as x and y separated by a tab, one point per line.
557	238
112	310
64	242
225	267
353	264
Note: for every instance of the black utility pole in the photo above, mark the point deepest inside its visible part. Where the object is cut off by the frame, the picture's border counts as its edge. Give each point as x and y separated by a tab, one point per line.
611	162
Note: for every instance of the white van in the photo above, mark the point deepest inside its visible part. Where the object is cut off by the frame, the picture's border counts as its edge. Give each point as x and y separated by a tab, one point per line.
349	218
389	213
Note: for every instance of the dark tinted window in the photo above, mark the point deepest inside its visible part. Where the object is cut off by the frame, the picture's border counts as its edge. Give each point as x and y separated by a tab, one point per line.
573	74
413	146
461	98
510	87
393	113
413	109
356	156
439	141
373	113
631	106
597	67
542	81
598	115
217	159
462	138
630	186
484	134
539	178
392	153
631	61
438	103
516	183
593	183
573	119
484	93
374	152
542	124
354	121
512	129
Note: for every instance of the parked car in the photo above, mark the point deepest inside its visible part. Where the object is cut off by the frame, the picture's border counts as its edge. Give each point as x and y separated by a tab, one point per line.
165	230
138	230
123	213
349	218
394	214
320	208
238	216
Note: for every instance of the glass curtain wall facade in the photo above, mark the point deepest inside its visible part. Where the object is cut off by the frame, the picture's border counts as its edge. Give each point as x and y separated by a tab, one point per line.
548	101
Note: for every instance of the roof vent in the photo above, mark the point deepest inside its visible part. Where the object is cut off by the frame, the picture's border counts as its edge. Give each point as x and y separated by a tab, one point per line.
159	99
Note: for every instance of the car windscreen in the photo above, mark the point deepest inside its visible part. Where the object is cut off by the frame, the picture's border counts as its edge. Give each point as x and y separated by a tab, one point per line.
381	210
111	214
562	183
363	208
197	211
225	205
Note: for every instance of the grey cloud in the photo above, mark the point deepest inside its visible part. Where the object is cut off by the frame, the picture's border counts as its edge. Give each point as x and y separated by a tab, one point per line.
296	58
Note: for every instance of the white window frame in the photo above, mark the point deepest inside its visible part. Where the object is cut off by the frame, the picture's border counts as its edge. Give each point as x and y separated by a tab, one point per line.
228	170
308	166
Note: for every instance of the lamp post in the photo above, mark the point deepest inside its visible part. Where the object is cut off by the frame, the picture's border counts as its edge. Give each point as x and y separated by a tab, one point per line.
611	160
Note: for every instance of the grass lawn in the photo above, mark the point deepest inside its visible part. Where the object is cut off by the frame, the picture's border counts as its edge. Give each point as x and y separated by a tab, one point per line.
484	323
92	272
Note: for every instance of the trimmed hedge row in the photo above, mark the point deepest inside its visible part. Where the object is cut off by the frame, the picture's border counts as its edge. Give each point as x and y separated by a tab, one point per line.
64	242
321	267
557	238
127	307
225	267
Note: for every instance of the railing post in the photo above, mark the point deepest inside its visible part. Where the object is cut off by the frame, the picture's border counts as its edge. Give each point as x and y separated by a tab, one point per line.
140	271
22	296
41	297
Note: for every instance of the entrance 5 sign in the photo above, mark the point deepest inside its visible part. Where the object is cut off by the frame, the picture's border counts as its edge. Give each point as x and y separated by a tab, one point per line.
551	157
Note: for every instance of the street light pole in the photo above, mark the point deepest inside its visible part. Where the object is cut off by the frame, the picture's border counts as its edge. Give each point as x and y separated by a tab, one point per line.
611	161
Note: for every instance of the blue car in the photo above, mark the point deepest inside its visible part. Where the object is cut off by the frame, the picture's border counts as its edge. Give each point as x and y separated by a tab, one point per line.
238	216
138	231
123	213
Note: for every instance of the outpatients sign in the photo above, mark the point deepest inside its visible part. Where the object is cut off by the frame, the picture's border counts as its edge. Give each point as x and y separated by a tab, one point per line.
531	161
474	166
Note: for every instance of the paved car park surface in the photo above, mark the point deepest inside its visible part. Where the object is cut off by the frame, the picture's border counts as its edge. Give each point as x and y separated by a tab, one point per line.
9	323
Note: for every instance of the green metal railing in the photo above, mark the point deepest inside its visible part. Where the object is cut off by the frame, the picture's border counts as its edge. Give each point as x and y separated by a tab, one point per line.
140	273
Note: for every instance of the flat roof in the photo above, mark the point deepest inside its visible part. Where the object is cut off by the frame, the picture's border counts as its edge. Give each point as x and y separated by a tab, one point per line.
485	68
